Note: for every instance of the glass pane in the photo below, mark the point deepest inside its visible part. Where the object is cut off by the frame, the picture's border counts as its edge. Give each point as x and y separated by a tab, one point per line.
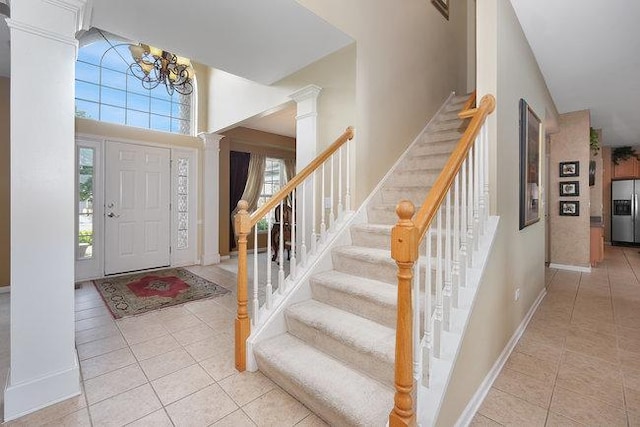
182	203
87	72
183	239
161	123
160	92
138	102
181	111
183	185
87	91
112	114
85	202
138	119
87	110
114	79
183	220
113	97
134	84
92	53
180	126
117	60
183	167
159	106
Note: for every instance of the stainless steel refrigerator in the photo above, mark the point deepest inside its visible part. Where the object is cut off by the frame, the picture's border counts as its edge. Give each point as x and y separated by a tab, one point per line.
625	218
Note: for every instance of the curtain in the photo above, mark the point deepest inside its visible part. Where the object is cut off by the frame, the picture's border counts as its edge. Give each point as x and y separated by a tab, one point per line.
253	187
238	173
290	168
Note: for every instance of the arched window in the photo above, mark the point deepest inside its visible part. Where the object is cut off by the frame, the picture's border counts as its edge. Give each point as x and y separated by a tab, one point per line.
106	89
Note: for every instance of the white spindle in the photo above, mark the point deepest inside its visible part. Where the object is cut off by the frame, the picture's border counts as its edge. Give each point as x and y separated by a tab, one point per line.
428	339
437	323
281	252
332	218
314	210
340	205
487	198
447	264
476	197
323	225
347	195
256	304
415	301
463	225
269	289
481	205
455	270
469	213
292	225
303	245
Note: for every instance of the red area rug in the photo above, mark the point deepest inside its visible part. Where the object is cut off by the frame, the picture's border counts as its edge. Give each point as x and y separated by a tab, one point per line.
142	292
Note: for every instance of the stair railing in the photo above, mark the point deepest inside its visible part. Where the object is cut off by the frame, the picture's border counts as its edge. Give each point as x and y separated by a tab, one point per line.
310	191
458	202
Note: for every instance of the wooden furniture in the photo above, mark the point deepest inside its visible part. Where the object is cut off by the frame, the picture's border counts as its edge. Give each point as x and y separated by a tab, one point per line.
597	244
629	168
275	233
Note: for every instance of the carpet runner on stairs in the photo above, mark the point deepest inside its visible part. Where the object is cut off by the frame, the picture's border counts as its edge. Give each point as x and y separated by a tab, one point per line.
337	356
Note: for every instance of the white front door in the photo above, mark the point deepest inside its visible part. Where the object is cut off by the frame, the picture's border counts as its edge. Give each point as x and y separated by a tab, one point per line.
137	217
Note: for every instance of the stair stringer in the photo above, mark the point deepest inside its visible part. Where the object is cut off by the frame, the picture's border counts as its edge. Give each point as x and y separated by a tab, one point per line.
429	399
300	290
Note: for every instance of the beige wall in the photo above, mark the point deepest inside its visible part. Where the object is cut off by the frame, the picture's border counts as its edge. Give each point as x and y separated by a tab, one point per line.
247	141
606	191
570	234
5	188
517	257
409	59
596	191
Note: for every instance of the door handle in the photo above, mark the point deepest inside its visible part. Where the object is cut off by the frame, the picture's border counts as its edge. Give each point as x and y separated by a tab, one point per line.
112	215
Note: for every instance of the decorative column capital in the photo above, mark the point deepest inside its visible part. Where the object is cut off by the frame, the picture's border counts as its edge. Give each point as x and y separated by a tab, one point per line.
307	92
210	140
307	101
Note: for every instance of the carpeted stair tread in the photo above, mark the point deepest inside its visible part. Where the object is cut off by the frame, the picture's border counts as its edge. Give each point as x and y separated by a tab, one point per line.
365	254
340	395
362	343
372	299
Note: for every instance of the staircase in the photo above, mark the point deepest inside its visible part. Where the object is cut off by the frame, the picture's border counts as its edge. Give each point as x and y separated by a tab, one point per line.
337	356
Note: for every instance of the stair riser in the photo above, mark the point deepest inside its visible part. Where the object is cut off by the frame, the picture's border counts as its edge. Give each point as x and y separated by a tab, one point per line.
394	195
449	115
373	366
446	125
441	136
383	216
414	177
442	148
379	240
382	271
372	310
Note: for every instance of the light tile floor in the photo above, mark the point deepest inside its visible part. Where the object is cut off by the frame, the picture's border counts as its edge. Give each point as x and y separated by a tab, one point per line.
169	367
578	362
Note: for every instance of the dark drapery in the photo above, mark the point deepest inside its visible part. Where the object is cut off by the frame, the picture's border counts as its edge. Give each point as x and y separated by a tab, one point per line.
238	172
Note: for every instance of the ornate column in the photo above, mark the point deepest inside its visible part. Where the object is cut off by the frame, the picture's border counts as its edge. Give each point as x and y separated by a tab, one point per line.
211	192
44	366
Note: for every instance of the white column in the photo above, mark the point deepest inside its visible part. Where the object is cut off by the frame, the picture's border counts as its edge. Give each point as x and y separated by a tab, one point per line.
211	192
44	366
306	149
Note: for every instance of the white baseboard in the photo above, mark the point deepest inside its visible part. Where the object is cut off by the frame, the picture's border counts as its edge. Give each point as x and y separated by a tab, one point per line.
27	397
569	267
5	289
209	259
477	399
223	257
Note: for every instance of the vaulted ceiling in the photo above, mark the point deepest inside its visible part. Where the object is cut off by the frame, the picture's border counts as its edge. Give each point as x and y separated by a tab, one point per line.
589	54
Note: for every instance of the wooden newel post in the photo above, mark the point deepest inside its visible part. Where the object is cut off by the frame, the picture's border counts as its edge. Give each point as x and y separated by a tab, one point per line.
243	326
404	249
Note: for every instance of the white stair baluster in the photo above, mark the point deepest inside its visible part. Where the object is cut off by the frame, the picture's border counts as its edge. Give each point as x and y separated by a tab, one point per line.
469	213
323	224
476	197
347	195
256	304
463	225
332	218
428	339
303	229
481	202
487	198
437	323
455	270
447	264
292	226
415	301
269	287
281	251
340	206
314	210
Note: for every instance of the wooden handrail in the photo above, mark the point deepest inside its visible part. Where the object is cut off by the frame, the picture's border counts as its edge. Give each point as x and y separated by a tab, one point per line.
301	176
438	192
243	225
470	104
406	236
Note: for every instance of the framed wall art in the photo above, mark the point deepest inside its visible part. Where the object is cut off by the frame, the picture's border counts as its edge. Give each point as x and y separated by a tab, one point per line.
569	169
570	188
530	165
442	6
569	208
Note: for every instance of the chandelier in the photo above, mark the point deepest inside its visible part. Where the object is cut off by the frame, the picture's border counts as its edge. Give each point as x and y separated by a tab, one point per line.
154	66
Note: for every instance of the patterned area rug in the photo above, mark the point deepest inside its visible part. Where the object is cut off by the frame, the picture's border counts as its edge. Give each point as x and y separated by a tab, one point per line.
138	293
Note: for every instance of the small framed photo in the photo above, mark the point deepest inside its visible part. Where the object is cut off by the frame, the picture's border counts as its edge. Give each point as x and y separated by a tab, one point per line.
592	173
569	169
569	208
570	188
442	6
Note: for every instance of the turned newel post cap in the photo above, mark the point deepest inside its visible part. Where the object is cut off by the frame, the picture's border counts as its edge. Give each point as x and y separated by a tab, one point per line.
405	210
242	219
243	205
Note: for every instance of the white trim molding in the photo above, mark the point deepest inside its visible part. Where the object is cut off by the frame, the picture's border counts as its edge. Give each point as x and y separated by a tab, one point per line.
5	289
211	198
569	267
477	399
27	28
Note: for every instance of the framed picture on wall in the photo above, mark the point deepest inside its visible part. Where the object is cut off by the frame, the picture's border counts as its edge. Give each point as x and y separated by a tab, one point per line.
442	6
569	169
530	165
570	188
592	173
569	208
